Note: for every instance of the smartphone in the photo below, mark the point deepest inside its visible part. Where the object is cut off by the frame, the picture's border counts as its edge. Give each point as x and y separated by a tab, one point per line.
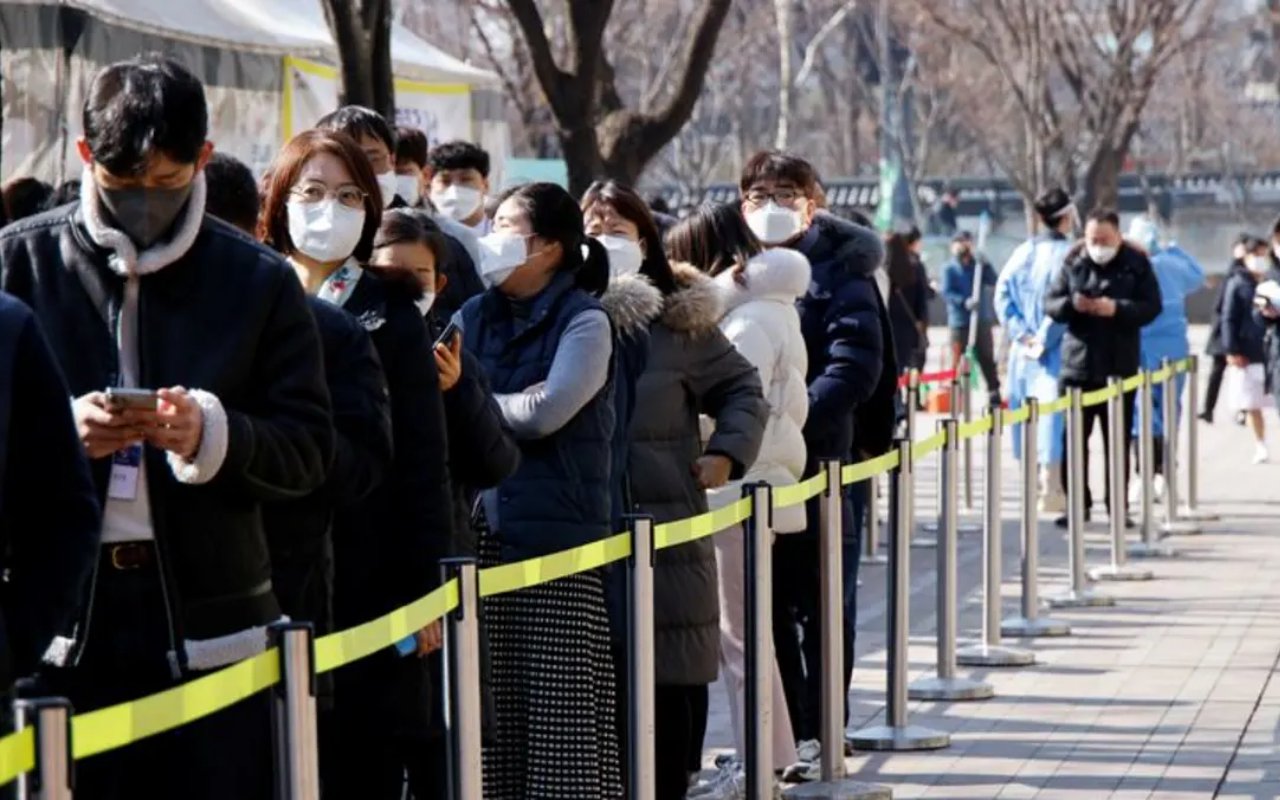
450	331
120	399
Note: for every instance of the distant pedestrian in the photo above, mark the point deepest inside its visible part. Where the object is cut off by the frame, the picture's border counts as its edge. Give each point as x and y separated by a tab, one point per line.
1240	249
1243	342
965	302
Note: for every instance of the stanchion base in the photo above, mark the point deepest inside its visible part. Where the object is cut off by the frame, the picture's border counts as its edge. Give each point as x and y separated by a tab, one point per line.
1198	515
1086	598
1023	628
962	527
873	560
890	738
1112	572
845	789
994	655
1152	550
1182	527
950	689
924	542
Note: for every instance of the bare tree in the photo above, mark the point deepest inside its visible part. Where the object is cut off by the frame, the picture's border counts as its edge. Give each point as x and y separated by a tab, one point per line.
362	31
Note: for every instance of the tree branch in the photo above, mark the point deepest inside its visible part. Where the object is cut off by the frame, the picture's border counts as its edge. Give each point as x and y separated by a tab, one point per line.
554	80
815	44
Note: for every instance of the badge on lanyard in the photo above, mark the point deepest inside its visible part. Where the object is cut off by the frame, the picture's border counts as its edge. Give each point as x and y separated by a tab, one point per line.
125	466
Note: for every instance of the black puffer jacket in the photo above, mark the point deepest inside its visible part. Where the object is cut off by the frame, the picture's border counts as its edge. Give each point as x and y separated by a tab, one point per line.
227	316
1097	348
1243	329
1214	346
692	369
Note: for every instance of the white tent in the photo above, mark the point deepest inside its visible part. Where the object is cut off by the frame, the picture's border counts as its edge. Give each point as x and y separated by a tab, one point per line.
268	67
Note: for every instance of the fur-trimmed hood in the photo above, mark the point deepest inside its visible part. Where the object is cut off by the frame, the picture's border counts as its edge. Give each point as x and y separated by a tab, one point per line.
696	306
632	302
126	259
846	242
780	274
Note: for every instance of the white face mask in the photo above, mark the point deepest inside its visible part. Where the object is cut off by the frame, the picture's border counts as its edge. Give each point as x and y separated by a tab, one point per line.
625	256
774	224
326	231
409	189
425	302
387	187
1100	255
501	254
457	202
1258	265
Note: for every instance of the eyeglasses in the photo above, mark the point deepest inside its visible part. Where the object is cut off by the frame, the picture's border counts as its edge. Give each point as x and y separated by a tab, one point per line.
783	197
312	193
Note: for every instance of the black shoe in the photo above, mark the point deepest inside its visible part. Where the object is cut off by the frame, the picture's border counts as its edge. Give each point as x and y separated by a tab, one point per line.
1065	522
1205	417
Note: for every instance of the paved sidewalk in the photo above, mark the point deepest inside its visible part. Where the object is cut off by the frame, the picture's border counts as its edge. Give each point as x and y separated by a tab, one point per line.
1171	694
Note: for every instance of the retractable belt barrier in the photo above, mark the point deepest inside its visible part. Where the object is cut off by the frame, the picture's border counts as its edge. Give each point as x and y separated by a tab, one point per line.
123	724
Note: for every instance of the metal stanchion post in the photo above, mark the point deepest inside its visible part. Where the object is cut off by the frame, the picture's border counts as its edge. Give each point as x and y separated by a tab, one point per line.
912	394
759	655
1031	624
897	734
1169	405
1079	595
945	685
990	652
642	752
871	542
1191	508
1150	546
958	411
293	713
462	681
1118	569
53	777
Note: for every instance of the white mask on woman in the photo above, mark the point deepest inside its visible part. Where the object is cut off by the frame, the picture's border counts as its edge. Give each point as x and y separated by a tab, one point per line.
774	224
326	231
501	254
625	255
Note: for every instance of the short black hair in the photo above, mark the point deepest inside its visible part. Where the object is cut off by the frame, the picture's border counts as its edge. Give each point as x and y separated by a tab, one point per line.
67	192
1253	244
411	145
148	104
1051	204
231	192
962	236
658	204
25	197
1104	215
459	155
779	166
358	122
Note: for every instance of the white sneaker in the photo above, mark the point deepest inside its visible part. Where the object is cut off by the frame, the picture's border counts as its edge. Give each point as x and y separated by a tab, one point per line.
1260	454
1157	488
808	766
729	783
1135	493
809	750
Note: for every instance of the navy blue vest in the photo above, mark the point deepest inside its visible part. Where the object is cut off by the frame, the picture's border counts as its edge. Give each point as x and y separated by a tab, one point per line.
560	497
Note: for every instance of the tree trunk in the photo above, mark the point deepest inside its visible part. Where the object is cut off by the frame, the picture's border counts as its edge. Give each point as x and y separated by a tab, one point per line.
786	35
1102	179
362	32
581	151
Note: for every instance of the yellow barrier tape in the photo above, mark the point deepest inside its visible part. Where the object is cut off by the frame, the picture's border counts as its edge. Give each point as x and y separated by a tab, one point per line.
926	447
1098	396
1017	416
119	725
1184	365
1162	375
797	494
534	571
673	534
1132	383
977	427
856	473
17	754
1057	406
353	644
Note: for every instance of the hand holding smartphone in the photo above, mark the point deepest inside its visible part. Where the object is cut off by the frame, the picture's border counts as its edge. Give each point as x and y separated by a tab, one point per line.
122	399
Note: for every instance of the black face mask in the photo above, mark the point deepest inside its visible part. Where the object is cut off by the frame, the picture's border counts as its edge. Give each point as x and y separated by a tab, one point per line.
144	214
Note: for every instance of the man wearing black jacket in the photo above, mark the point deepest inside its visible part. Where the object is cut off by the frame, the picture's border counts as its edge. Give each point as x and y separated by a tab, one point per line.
224	409
1105	293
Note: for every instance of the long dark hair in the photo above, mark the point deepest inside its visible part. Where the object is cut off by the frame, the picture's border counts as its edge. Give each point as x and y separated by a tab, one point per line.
632	207
900	262
713	238
555	216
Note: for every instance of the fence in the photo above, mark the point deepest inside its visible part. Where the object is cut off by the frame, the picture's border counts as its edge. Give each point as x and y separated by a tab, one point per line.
49	739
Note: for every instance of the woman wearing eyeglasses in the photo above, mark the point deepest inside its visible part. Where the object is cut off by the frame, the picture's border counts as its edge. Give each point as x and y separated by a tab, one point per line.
322	209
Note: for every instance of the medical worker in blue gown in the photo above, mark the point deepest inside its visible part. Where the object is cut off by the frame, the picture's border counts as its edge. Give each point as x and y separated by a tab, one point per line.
1179	275
1034	339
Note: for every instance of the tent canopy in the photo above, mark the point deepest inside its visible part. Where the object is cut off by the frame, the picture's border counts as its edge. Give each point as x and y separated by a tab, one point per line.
284	27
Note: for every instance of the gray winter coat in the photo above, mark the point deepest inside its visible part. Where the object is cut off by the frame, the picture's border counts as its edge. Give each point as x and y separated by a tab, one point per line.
692	370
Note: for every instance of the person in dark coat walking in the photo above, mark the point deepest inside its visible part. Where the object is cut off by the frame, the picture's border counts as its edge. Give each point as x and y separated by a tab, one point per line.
321	210
852	385
48	528
1105	293
137	288
1244	344
1240	250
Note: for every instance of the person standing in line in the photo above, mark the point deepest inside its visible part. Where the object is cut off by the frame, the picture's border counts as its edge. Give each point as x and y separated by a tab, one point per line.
958	277
1035	339
199	396
546	346
1240	250
322	211
1244	344
1268	309
376	140
908	301
691	369
852	386
1179	276
1105	293
759	289
460	184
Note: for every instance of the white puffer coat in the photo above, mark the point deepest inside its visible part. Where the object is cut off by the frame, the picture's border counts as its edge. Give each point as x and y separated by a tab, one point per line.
762	322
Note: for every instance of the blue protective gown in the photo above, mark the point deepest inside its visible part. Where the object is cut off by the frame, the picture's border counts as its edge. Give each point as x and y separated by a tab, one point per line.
1020	293
1179	275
